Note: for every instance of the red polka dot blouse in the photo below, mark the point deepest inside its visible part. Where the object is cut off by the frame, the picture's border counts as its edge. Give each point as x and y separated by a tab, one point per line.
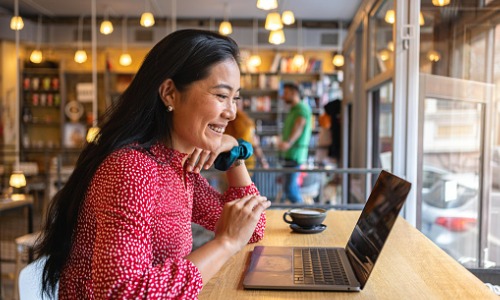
134	228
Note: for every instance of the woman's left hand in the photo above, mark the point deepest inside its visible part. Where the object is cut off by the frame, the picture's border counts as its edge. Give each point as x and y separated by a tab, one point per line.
201	158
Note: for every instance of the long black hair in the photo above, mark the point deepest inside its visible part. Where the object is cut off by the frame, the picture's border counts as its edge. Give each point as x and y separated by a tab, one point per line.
140	117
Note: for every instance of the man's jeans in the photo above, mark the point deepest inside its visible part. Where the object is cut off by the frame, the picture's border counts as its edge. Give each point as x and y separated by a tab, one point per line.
291	187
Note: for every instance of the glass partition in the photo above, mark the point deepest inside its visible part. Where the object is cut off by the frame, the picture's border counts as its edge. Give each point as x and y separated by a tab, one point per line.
381	46
382	100
453	125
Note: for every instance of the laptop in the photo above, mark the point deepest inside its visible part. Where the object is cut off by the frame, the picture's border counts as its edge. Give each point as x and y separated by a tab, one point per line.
335	269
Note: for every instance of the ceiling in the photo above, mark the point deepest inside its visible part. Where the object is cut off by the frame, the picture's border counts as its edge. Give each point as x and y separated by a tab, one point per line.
321	10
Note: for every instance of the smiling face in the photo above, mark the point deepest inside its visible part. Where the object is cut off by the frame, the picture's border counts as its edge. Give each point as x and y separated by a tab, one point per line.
202	111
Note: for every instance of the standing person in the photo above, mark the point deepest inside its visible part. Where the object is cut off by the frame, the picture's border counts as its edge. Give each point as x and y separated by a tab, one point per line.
243	127
334	110
121	226
295	139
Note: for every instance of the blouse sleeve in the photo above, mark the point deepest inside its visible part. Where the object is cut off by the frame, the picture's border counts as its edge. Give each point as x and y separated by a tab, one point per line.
208	204
124	191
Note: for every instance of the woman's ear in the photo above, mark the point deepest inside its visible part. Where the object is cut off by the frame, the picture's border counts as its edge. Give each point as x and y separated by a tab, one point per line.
167	92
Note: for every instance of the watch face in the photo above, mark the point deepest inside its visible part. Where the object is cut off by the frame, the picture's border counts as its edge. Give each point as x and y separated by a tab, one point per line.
74	110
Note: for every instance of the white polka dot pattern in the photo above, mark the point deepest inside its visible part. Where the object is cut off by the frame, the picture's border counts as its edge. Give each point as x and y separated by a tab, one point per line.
134	228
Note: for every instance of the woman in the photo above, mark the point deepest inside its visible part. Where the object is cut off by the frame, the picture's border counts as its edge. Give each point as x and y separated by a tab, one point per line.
120	227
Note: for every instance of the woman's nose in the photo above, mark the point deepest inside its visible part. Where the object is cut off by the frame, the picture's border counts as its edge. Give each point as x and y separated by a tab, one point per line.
229	112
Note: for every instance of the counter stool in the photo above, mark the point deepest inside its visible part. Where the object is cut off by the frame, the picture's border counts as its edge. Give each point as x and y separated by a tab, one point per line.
24	244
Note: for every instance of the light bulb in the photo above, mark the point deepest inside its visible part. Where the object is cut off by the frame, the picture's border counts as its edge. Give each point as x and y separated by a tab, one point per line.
421	20
254	61
390	45
147	19
390	16
384	54
106	27
80	56
298	60
92	134
440	2
273	21
225	28
16	23
338	60
125	59
433	56
17	179
288	17
267	4
36	56
277	37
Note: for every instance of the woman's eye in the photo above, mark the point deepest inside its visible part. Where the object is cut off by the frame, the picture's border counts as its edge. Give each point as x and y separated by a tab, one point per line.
237	98
223	97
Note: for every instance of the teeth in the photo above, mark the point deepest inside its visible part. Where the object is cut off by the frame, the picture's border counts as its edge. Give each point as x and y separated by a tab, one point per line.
216	128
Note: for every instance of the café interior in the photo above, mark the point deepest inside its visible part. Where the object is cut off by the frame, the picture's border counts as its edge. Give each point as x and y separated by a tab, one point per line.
416	81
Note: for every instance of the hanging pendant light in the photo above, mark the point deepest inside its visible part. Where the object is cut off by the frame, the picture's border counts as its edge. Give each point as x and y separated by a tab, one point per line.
254	61
338	59
390	46
277	37
147	18
384	54
125	58
390	16
106	25
16	22
80	54
433	56
298	59
273	21
36	56
287	17
267	4
225	27
17	179
440	2
92	134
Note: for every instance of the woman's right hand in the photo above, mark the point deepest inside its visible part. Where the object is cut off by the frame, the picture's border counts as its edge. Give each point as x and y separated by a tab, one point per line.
238	220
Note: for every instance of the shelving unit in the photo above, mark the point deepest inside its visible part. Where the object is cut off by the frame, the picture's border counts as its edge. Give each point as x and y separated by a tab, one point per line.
41	111
115	84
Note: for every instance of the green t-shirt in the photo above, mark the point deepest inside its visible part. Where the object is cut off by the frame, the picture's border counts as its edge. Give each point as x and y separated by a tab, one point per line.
299	150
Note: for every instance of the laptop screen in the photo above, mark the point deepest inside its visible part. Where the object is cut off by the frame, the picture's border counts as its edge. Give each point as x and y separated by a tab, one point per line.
375	223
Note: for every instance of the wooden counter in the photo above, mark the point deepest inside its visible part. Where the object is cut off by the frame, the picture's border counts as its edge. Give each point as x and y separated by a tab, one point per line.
409	267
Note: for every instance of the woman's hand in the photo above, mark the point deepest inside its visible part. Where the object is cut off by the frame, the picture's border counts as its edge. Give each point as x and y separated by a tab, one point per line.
201	158
238	220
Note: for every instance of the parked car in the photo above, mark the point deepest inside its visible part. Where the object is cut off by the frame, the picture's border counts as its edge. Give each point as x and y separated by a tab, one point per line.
450	212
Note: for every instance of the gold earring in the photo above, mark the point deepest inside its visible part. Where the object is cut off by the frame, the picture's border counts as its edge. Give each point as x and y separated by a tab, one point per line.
170	108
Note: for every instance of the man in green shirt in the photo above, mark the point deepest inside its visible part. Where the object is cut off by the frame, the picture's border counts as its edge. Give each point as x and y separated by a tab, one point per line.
294	144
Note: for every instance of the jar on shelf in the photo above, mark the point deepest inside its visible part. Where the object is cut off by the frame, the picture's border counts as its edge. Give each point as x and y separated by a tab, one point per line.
27	114
55	83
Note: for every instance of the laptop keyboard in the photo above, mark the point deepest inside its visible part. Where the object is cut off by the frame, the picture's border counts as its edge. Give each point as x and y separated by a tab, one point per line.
318	266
